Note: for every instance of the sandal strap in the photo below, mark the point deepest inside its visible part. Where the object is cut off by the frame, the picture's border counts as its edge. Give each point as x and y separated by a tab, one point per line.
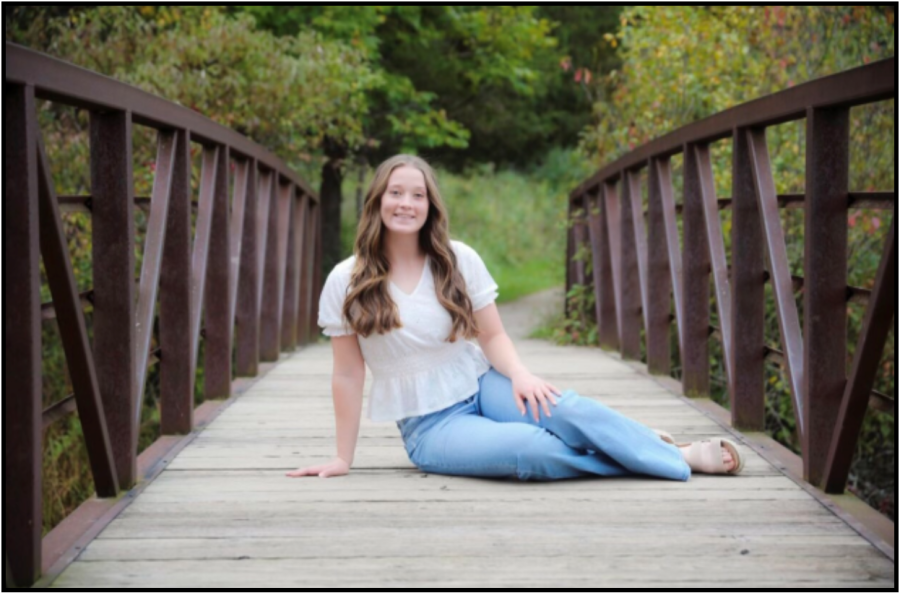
706	456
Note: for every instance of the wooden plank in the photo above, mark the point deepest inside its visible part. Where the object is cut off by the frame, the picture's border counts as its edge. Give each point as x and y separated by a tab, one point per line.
522	571
362	483
466	542
656	497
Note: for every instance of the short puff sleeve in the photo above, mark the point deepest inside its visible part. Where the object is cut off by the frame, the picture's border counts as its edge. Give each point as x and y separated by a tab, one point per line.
331	304
480	285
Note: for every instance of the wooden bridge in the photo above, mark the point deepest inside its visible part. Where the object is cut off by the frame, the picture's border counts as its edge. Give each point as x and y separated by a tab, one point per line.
221	513
209	505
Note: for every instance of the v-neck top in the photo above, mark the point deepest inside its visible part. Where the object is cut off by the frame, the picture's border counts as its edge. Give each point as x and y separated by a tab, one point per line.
421	279
415	371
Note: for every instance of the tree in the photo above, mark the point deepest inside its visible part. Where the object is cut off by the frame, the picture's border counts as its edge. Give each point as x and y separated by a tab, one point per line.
445	75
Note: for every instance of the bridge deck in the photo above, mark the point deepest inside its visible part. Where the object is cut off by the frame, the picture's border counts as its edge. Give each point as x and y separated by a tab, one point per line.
223	514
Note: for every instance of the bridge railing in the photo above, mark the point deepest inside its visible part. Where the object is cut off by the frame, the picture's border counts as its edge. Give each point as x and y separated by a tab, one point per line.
639	267
253	264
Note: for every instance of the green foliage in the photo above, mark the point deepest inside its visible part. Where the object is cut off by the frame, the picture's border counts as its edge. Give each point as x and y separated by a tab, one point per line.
484	79
681	63
221	67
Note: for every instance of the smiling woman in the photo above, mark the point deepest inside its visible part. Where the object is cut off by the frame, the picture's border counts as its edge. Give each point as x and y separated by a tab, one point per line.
400	304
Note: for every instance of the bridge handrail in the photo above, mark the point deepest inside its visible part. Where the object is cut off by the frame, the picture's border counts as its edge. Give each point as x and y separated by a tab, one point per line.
253	263
634	277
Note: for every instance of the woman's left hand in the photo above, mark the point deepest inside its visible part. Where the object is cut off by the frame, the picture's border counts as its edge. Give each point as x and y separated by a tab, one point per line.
527	387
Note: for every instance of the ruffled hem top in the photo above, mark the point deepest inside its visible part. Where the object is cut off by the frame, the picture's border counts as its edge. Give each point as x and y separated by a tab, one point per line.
415	370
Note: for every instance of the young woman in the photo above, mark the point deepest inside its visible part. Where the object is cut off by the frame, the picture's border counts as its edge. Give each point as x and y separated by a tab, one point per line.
406	303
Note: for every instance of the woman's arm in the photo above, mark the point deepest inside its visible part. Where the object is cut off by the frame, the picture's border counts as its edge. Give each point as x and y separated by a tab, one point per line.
497	345
500	351
347	379
348	394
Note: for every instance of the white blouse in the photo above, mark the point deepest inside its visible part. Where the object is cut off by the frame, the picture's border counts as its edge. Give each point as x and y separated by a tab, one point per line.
415	371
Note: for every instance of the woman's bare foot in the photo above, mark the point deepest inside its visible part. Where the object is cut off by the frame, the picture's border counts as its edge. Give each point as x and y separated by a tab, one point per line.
727	459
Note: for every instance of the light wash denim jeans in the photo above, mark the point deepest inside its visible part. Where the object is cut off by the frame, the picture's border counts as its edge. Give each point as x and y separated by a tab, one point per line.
486	436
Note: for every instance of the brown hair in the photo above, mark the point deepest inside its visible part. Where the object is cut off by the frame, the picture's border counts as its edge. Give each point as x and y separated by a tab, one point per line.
369	306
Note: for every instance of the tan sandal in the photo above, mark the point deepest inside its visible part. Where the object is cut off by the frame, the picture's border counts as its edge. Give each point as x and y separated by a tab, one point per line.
706	456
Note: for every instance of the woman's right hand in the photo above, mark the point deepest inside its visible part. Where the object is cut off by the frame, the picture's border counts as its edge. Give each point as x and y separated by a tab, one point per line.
335	467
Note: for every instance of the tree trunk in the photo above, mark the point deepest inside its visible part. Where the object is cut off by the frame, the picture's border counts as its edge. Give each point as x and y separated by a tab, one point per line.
330	194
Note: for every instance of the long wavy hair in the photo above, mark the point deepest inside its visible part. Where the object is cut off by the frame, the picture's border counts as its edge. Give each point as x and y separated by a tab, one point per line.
369	307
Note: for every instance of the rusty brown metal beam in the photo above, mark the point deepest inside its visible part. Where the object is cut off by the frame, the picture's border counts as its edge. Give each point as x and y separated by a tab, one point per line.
114	290
176	379
866	361
604	297
22	443
695	284
858	86
773	234
659	282
209	176
66	83
219	321
855	200
150	269
825	282
290	295
716	244
73	331
246	301
748	278
273	295
305	283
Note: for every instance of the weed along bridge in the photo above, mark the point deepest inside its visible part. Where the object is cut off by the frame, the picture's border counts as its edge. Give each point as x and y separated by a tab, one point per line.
234	267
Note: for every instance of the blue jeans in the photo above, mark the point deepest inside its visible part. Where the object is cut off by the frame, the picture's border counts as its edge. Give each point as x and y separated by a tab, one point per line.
486	436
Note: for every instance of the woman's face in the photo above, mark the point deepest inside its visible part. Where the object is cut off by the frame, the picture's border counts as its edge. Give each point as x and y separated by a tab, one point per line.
404	204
